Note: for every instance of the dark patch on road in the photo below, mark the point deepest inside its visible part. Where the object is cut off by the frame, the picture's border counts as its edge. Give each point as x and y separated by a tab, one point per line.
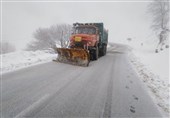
119	52
128	76
127	87
131	81
132	109
136	98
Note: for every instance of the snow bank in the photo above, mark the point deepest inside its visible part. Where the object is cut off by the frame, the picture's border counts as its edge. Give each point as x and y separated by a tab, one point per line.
158	63
153	69
22	59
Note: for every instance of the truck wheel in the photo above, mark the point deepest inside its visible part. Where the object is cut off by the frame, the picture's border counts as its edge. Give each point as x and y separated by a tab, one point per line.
96	53
105	49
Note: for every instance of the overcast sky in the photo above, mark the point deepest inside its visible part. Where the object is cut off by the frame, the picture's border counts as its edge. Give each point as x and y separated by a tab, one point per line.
122	19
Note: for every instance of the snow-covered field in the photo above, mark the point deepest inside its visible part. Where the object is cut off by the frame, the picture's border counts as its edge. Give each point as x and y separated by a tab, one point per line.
153	69
22	59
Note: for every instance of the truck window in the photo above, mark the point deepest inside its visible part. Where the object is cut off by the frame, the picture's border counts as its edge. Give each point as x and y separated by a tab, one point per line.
85	30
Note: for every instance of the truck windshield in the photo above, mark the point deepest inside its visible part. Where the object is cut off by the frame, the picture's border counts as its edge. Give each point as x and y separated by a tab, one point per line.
85	30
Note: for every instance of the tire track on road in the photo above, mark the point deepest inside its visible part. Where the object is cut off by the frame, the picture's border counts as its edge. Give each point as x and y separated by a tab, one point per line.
108	104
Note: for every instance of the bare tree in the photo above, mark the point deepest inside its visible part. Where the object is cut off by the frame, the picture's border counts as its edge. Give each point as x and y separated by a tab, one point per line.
49	37
159	10
6	47
61	33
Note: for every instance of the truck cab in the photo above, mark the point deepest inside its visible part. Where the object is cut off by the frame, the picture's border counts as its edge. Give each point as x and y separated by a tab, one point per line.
89	36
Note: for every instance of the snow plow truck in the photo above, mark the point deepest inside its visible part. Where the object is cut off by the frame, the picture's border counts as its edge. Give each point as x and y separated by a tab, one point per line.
87	42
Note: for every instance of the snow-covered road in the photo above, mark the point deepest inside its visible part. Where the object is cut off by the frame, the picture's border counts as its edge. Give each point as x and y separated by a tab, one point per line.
109	87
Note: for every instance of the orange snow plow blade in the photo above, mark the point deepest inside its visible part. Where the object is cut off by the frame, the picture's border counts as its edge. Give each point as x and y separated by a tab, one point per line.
73	56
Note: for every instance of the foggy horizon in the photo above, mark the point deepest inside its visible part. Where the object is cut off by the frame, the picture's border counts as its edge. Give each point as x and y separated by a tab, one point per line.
122	19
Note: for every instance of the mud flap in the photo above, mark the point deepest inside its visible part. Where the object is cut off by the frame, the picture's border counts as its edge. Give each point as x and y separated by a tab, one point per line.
73	56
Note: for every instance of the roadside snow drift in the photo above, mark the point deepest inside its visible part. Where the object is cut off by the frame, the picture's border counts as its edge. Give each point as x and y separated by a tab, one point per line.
153	69
22	59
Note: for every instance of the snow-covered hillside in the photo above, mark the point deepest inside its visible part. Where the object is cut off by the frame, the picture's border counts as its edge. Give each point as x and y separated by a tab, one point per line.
22	59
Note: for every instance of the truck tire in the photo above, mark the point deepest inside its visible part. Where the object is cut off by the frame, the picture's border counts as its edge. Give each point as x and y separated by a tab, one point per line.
105	49
96	53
